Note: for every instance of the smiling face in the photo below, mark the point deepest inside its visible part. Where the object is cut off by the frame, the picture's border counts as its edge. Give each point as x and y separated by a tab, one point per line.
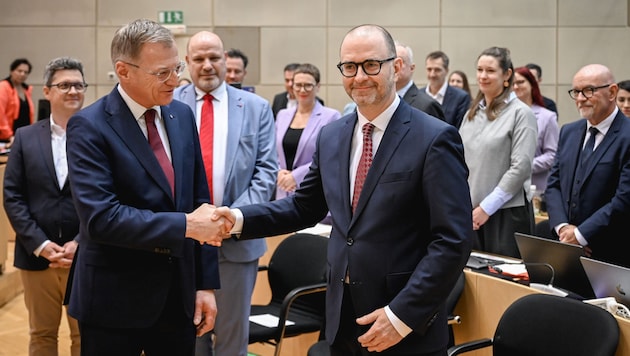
64	104
491	77
301	82
235	70
522	88
436	72
456	80
206	61
372	93
596	108
142	86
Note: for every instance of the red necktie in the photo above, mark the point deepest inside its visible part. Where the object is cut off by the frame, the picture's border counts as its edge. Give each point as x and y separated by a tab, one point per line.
364	164
158	148
206	137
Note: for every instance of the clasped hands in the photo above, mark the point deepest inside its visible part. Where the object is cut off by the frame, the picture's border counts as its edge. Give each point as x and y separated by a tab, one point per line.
209	224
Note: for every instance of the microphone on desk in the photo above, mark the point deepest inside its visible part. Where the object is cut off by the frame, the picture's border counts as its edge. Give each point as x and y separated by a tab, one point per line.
547	288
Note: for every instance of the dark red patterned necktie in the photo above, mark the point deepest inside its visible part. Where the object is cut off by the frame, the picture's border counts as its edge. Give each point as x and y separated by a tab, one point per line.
158	148
364	164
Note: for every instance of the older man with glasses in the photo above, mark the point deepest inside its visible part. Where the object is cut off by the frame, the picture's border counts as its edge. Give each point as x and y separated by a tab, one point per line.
140	283
588	191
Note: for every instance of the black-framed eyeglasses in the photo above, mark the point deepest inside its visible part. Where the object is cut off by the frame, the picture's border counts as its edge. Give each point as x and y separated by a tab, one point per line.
306	86
64	87
370	67
588	92
163	74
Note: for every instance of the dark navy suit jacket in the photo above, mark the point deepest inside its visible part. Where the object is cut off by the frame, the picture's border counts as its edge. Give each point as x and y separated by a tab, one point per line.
410	236
133	249
455	104
599	204
421	100
37	207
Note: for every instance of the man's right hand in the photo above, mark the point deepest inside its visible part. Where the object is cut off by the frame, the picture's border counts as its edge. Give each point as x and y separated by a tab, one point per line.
201	226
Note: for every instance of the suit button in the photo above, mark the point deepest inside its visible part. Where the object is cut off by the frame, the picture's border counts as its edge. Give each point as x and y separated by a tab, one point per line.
350	241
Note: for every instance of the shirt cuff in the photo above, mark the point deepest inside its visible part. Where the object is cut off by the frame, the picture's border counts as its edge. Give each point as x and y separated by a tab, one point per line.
238	224
40	248
398	324
495	200
580	237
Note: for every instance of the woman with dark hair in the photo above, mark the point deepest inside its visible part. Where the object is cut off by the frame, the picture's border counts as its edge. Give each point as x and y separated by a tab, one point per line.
623	97
459	79
526	88
499	137
16	103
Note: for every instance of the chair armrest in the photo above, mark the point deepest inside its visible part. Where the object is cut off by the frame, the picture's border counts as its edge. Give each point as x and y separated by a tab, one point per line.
290	298
469	346
454	319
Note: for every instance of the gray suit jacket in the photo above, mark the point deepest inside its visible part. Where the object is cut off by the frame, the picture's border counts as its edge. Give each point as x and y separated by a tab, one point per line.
251	162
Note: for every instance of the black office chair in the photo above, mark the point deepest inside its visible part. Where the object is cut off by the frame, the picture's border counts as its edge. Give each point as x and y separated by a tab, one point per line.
544	324
297	277
321	347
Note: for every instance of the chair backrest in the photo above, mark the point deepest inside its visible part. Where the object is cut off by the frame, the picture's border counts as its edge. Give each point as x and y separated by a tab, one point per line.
543	324
299	260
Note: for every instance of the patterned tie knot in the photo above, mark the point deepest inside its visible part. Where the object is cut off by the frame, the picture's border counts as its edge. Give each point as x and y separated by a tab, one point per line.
369	128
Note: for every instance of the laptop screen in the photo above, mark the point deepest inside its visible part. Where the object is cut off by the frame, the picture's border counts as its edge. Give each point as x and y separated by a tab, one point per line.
608	280
564	258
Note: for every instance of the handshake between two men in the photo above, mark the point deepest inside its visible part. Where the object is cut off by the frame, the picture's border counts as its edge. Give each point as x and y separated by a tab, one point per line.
209	224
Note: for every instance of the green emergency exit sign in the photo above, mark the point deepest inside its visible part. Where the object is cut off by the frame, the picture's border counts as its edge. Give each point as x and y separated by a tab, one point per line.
171	17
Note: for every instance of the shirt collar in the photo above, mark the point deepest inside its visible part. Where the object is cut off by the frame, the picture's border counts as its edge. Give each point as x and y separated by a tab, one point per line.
55	129
405	89
219	93
604	125
383	119
137	110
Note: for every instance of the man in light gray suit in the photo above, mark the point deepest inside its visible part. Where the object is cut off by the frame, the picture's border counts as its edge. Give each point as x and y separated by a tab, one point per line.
241	166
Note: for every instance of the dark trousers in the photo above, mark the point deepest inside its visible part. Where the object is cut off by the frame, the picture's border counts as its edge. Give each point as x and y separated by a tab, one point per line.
346	343
172	335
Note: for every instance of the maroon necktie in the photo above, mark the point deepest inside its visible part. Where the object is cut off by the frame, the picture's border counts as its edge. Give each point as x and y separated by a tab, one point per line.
158	148
364	164
206	137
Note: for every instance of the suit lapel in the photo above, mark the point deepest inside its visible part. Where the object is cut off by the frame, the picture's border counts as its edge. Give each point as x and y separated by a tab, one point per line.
124	124
236	118
603	146
45	147
344	137
310	129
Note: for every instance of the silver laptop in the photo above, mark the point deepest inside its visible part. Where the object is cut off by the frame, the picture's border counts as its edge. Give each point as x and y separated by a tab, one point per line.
566	270
608	280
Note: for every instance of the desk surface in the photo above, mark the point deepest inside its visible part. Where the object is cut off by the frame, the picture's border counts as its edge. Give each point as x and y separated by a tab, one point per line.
484	300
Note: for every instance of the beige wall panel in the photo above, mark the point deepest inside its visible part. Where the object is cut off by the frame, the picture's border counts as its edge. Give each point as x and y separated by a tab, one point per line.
580	46
485	13
269	13
46	12
41	44
463	46
350	13
247	39
280	46
592	13
120	12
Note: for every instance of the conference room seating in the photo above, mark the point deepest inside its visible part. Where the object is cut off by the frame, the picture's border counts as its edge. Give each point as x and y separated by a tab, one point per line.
297	279
544	324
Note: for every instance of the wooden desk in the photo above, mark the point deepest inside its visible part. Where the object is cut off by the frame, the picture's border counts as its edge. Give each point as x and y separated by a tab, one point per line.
484	300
